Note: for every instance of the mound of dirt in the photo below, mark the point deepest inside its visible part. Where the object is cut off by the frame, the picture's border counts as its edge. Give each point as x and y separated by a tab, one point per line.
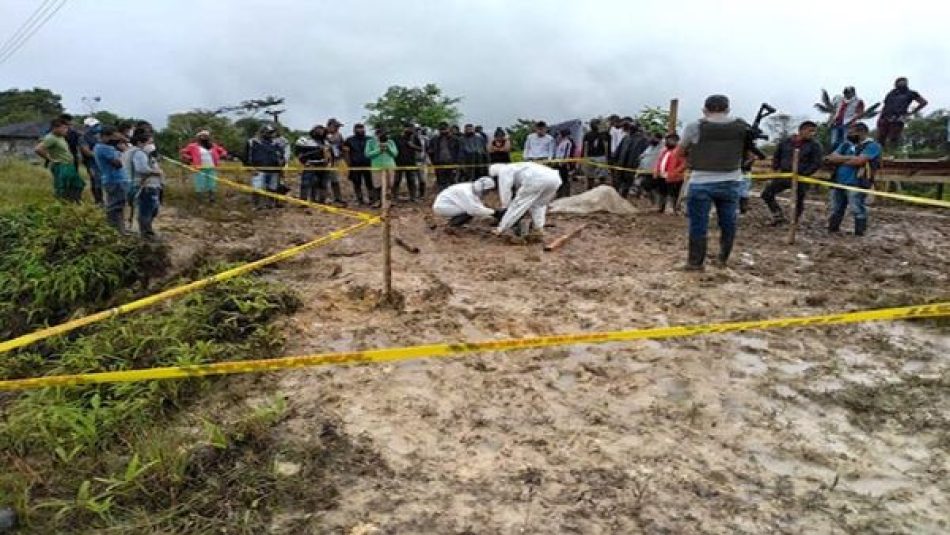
599	199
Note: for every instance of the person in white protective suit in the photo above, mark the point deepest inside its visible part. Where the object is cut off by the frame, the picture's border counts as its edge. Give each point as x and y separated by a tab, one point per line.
463	202
534	185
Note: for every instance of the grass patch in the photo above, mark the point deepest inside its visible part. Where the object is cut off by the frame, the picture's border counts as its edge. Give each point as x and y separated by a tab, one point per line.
82	456
58	259
22	182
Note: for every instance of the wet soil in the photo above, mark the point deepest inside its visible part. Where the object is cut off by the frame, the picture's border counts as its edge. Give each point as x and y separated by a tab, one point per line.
815	430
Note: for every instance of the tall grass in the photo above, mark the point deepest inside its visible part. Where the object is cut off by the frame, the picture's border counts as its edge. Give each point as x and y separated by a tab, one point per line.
22	183
58	258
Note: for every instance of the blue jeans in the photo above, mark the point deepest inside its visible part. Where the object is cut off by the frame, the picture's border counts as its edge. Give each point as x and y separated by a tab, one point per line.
699	202
148	203
841	199
838	134
117	194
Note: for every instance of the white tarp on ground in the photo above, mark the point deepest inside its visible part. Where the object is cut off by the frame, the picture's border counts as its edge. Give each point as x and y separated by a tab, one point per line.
599	199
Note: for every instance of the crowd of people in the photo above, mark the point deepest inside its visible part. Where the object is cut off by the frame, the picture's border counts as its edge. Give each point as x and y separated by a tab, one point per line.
716	153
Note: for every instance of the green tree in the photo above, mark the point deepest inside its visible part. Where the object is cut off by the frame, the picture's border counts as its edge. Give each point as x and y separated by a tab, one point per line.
425	105
927	136
181	128
654	119
37	104
519	131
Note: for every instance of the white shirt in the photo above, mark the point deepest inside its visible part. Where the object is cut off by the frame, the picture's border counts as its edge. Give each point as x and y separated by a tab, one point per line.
207	160
616	136
538	147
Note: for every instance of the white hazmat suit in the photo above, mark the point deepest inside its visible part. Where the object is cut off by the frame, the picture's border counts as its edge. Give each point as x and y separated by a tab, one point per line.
464	198
536	187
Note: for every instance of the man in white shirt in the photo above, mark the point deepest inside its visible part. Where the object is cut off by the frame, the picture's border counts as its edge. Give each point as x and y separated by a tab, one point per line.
617	133
539	145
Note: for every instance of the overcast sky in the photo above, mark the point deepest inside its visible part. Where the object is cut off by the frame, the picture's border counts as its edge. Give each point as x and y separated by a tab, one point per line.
548	59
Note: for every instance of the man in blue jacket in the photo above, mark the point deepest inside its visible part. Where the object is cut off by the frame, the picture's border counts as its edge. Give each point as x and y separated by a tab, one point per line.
858	159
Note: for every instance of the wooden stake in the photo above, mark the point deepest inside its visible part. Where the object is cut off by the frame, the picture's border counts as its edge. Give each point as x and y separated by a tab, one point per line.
793	228
558	242
674	116
387	240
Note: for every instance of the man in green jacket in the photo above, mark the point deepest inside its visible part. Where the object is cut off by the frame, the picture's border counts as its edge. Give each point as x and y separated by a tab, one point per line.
381	152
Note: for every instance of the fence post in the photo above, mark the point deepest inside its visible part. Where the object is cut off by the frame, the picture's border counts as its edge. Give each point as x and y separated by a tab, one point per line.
387	240
793	228
674	113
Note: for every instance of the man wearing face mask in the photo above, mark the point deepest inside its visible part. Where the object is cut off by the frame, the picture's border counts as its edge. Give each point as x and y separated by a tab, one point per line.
474	151
354	148
115	182
444	151
205	155
896	109
858	159
809	162
147	179
409	145
263	151
313	151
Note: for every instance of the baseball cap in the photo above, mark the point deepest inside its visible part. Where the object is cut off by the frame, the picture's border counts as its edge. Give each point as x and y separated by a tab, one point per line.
333	121
90	121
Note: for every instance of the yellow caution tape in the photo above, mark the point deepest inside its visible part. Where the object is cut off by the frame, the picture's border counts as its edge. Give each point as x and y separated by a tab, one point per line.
68	326
641	171
445	350
293	200
898	196
344	168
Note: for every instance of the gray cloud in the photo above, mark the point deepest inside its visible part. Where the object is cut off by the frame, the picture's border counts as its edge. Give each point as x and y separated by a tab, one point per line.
555	59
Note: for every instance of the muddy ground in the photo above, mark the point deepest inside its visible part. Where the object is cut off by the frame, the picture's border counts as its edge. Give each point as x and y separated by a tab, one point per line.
816	430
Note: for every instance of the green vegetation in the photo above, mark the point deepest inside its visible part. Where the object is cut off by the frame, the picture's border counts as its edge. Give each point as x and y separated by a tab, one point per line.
58	258
23	183
135	456
426	105
37	104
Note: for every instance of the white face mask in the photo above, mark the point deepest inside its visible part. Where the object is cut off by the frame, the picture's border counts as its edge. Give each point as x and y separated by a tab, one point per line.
150	148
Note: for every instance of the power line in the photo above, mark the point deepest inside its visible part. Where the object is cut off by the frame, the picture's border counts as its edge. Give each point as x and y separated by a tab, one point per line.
37	13
35	29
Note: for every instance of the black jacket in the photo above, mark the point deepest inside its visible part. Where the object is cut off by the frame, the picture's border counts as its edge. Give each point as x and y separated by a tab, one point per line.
264	153
630	149
357	151
809	159
435	149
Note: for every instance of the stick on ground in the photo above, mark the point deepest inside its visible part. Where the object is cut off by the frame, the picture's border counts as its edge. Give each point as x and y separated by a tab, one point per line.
558	242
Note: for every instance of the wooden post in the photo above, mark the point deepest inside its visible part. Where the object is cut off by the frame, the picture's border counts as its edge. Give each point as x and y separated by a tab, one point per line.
674	116
387	240
793	228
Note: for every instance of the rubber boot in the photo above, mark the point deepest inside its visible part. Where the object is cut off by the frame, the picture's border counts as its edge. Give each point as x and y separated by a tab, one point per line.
459	220
860	227
696	254
725	249
660	203
743	205
834	223
413	191
337	194
422	187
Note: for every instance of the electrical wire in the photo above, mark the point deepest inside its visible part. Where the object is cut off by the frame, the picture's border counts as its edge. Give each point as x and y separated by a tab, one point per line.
37	13
23	41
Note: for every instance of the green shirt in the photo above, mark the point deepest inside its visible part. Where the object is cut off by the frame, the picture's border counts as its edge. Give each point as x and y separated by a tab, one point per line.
378	157
57	148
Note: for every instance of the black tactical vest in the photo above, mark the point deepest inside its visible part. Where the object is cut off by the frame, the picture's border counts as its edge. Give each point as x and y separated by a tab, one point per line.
720	147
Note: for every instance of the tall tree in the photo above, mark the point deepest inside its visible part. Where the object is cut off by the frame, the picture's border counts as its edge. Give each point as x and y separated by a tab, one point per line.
928	136
425	105
37	104
182	127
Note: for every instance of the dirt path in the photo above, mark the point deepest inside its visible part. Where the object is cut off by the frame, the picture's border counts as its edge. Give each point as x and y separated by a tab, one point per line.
835	430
